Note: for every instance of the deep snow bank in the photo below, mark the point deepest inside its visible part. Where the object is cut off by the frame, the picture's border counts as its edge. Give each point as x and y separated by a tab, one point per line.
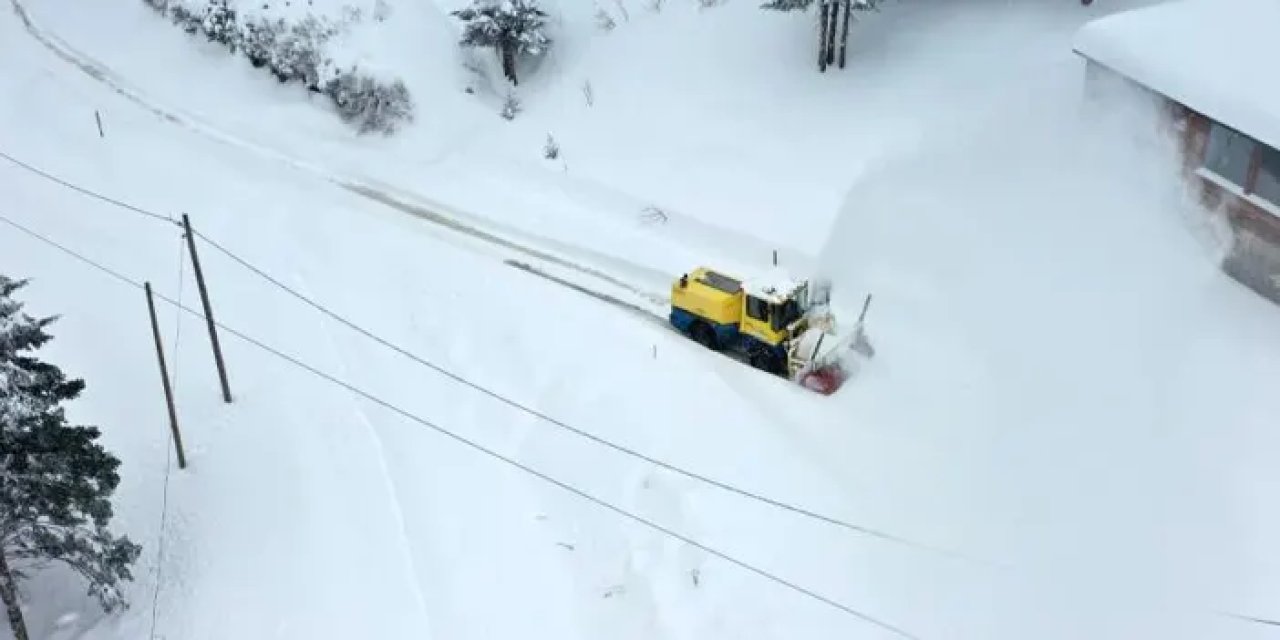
1047	295
714	115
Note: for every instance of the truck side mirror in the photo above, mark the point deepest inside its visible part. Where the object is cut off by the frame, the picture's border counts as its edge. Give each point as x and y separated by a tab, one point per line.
684	281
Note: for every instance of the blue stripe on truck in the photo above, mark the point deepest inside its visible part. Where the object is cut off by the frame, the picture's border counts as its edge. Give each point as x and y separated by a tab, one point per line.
726	334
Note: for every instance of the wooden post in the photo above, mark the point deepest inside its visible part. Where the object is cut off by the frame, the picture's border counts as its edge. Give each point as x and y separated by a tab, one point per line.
208	309
844	30
164	377
98	117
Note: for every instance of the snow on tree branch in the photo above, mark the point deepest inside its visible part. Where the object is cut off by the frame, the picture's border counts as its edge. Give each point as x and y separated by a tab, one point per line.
512	28
56	481
295	53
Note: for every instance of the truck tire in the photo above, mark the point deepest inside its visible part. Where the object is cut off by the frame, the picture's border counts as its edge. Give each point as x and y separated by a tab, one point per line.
703	334
765	361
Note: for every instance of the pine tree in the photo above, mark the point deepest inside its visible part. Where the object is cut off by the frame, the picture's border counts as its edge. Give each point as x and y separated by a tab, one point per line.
512	28
833	15
56	481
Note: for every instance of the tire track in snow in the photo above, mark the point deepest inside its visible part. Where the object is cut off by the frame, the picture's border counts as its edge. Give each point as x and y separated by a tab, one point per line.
397	511
386	197
467	224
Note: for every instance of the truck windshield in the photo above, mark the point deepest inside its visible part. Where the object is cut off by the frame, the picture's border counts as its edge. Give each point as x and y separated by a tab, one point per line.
784	314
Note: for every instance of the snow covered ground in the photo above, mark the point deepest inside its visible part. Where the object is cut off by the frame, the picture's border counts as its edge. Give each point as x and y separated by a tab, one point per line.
1067	393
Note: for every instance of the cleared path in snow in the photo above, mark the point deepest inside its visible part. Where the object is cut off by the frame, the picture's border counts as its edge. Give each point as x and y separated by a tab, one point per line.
927	485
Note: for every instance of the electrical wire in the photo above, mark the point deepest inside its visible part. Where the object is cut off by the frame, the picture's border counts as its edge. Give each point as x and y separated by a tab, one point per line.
87	192
623	449
168	458
565	486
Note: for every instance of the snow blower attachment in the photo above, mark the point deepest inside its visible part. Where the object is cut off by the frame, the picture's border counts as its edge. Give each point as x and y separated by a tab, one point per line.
821	358
780	325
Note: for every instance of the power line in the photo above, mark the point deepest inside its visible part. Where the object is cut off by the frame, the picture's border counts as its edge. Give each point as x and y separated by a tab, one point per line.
623	449
168	458
565	486
639	455
92	194
1253	620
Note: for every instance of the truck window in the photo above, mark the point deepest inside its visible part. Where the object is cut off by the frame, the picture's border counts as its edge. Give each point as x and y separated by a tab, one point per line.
784	314
757	309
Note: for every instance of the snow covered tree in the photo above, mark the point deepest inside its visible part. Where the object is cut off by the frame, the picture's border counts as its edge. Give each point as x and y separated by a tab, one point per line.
832	15
512	28
56	481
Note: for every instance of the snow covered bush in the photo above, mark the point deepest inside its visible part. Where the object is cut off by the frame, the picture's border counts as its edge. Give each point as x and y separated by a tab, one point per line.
219	24
258	41
604	21
512	28
368	104
295	53
298	51
511	107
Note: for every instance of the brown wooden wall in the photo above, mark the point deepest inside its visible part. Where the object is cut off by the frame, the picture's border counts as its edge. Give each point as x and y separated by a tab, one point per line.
1254	258
1240	211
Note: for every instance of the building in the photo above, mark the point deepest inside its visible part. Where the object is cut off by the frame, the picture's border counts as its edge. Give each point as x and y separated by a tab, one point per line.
1215	65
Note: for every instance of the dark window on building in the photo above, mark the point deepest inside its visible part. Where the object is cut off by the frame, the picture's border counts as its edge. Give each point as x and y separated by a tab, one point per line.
1268	181
1229	154
757	308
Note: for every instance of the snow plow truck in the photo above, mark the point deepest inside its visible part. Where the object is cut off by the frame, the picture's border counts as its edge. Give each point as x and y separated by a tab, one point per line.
777	324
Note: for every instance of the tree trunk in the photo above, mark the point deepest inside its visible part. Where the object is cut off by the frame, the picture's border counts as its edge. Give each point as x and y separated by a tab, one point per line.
509	64
822	35
844	30
9	593
831	31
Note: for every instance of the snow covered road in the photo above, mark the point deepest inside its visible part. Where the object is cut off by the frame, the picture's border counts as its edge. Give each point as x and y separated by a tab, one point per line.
450	516
1087	416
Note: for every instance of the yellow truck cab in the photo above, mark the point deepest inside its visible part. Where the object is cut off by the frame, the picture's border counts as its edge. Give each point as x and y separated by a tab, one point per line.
756	317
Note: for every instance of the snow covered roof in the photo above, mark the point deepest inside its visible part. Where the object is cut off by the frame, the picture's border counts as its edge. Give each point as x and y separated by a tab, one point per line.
1216	57
773	286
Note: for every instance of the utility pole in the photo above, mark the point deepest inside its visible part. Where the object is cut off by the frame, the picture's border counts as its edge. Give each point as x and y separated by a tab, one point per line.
208	308
164	378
